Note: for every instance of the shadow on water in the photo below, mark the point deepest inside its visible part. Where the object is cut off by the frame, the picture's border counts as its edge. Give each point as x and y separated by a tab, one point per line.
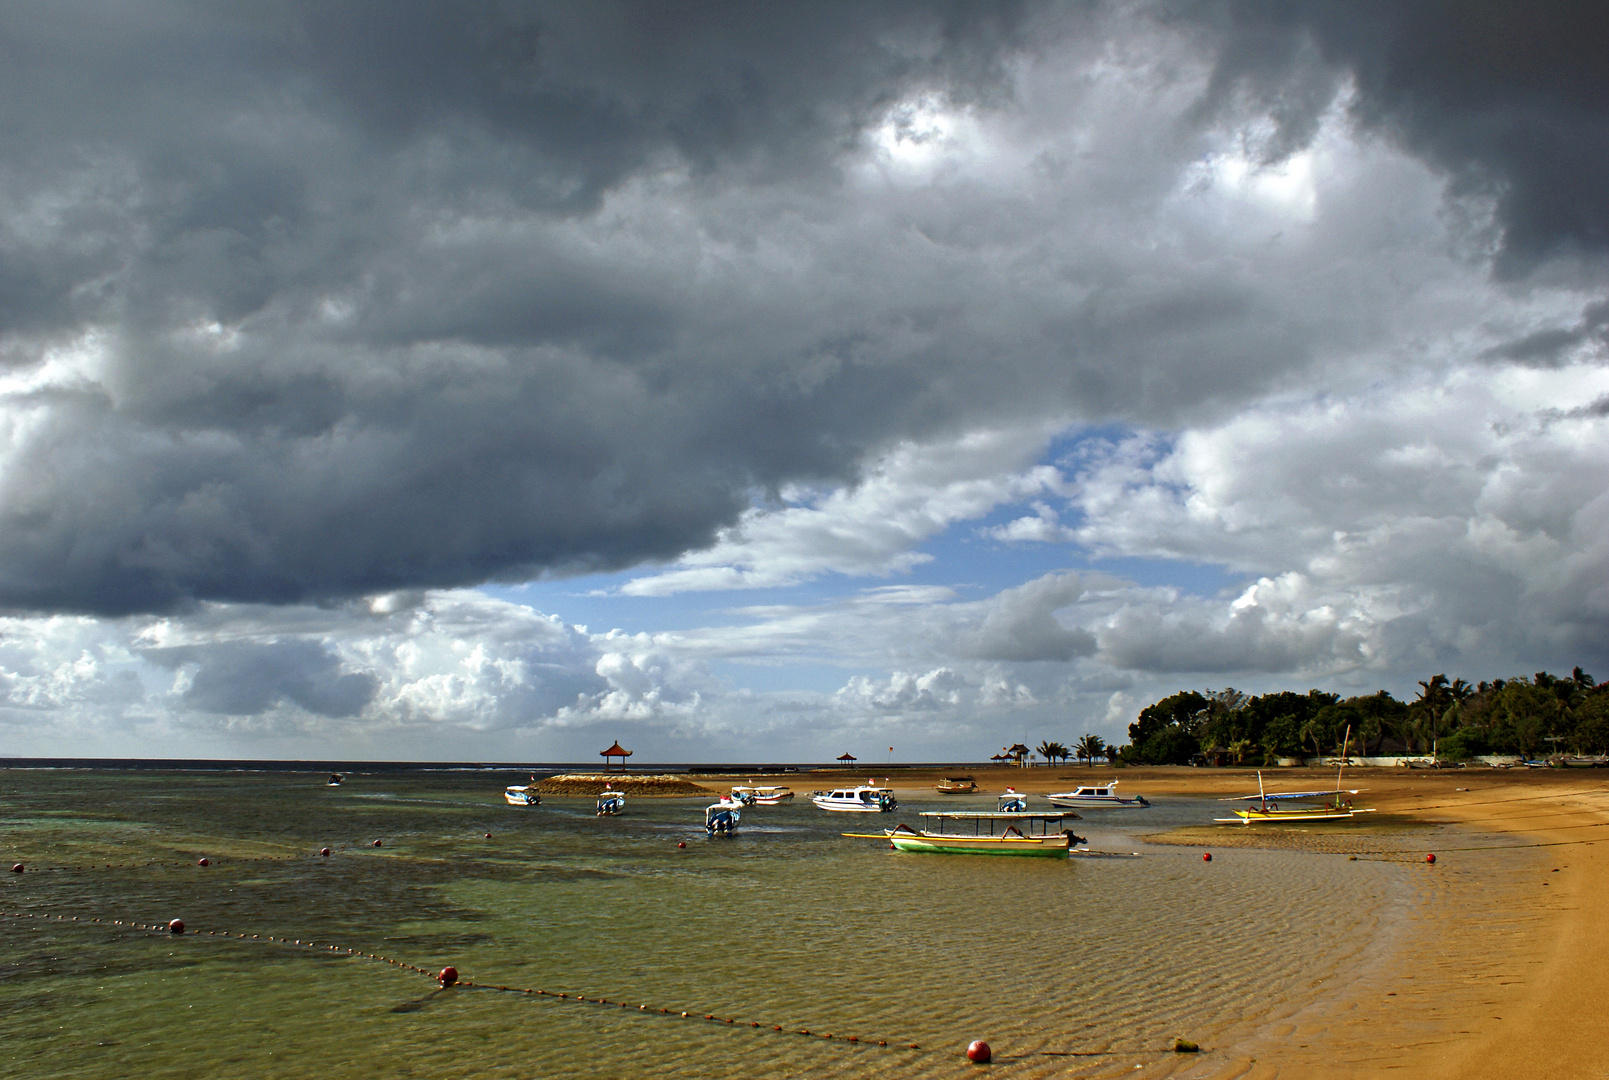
419	1003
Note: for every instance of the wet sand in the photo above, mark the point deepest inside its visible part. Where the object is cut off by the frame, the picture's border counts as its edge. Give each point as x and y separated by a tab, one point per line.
1494	970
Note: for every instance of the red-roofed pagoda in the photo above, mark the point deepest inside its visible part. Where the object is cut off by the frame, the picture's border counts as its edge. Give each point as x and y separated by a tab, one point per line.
615	751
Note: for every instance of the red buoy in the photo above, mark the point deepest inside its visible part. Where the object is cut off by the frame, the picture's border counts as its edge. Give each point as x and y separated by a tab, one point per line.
203	862
176	926
1206	856
488	836
448	976
16	868
979	1052
682	843
1430	858
377	843
324	852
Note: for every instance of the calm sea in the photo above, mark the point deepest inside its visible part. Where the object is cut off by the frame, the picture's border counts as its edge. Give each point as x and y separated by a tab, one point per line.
1066	968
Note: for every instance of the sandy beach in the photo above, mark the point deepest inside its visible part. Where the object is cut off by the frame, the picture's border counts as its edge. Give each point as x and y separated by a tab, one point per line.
1496	972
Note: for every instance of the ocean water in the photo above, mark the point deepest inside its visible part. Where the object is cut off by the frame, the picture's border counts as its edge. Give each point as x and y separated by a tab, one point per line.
1078	968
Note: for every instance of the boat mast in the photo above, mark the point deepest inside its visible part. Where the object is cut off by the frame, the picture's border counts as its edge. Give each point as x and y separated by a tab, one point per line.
1346	740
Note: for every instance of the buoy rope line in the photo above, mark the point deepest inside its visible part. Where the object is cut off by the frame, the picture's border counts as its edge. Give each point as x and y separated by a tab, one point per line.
177	929
228	860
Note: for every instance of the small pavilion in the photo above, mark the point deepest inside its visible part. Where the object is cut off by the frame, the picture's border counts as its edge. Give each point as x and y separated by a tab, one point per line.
846	759
615	751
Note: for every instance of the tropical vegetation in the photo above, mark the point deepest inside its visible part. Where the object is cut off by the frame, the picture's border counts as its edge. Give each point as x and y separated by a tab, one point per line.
1532	717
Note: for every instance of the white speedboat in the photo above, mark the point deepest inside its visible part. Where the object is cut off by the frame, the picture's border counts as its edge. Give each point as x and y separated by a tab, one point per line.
857	800
1096	797
763	796
522	795
610	803
721	819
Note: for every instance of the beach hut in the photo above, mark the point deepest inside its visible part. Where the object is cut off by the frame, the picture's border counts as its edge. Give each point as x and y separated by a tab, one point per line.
1018	752
615	751
846	759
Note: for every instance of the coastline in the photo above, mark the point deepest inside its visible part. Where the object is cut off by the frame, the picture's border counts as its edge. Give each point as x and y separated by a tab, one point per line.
1495	970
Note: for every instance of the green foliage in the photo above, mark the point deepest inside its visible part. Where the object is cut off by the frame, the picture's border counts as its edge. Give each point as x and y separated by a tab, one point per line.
1528	716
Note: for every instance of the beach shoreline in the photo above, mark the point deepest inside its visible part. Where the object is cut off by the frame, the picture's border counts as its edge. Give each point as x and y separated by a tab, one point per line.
1495	975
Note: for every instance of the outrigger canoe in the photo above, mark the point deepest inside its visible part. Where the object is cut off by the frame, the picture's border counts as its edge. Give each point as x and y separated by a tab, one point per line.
1010	833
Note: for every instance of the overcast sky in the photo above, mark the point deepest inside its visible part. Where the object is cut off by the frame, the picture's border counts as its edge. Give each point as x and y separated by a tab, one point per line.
765	381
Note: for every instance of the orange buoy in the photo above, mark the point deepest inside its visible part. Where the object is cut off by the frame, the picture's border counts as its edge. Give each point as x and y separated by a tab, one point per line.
979	1052
176	926
448	976
1206	856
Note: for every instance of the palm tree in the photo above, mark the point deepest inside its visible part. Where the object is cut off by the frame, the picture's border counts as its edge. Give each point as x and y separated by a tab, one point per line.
1090	747
1433	699
1047	750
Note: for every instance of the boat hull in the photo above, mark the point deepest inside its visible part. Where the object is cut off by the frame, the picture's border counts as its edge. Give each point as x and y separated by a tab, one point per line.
1044	847
1287	817
1085	803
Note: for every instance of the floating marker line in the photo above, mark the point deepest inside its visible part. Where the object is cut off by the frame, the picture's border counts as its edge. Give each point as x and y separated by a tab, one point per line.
338	950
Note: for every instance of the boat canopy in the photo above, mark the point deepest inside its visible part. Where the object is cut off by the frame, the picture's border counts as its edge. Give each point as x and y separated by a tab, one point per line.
1273	796
995	815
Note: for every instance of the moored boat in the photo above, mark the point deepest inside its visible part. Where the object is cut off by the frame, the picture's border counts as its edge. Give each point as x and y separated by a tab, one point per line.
762	796
1095	797
957	785
999	833
1298	807
721	818
610	803
1011	802
857	800
522	795
334	780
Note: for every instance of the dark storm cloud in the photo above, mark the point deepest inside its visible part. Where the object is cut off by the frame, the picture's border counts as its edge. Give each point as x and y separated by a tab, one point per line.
176	171
343	299
1552	347
1509	97
249	678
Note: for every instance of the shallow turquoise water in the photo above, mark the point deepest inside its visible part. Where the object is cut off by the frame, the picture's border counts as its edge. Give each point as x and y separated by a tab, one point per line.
1079	968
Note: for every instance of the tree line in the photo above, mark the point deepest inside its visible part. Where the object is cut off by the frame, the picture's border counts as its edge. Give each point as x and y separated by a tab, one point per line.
1536	716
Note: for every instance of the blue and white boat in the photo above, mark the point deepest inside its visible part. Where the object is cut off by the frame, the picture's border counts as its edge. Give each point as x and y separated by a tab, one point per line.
1013	803
610	803
522	795
721	819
